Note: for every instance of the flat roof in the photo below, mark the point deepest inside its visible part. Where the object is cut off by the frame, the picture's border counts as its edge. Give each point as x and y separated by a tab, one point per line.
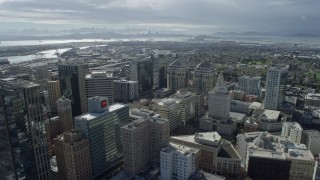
267	154
235	116
302	154
313	96
271	114
168	101
185	150
206	138
90	116
255	105
163	90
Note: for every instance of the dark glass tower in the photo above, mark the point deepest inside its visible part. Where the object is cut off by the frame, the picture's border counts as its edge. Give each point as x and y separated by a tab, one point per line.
23	145
72	86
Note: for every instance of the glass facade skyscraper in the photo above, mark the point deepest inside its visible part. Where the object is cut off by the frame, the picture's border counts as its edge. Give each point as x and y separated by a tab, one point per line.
23	145
72	85
102	127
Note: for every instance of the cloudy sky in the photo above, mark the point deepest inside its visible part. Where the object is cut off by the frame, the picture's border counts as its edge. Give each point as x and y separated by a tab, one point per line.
170	15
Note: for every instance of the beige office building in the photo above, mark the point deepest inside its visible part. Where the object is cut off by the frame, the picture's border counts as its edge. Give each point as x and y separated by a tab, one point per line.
65	114
53	88
99	83
170	109
73	156
142	141
219	101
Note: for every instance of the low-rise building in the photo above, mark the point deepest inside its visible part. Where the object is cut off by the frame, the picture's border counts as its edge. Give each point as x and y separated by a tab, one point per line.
312	99
240	107
275	157
225	127
217	155
269	120
250	125
178	161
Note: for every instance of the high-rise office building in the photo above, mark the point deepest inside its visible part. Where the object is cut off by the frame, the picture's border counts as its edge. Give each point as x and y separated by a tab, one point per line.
249	85
142	71
177	76
170	109
219	100
161	61
72	85
42	73
199	104
126	91
142	141
204	77
187	103
100	84
53	88
73	156
275	87
65	114
23	140
53	129
101	125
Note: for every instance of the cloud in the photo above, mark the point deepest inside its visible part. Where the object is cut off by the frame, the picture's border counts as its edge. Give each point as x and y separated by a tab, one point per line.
209	15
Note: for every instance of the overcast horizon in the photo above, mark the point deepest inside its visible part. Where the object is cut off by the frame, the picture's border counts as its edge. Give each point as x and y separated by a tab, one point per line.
185	16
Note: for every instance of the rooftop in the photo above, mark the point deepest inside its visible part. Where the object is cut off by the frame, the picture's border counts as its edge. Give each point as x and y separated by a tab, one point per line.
176	63
270	114
135	123
313	96
15	82
266	154
236	117
312	133
163	90
204	64
302	154
294	125
90	116
181	94
255	105
168	101
206	138
180	148
99	74
264	144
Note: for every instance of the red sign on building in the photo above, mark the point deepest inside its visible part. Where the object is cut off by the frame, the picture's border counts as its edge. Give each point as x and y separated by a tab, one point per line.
104	103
